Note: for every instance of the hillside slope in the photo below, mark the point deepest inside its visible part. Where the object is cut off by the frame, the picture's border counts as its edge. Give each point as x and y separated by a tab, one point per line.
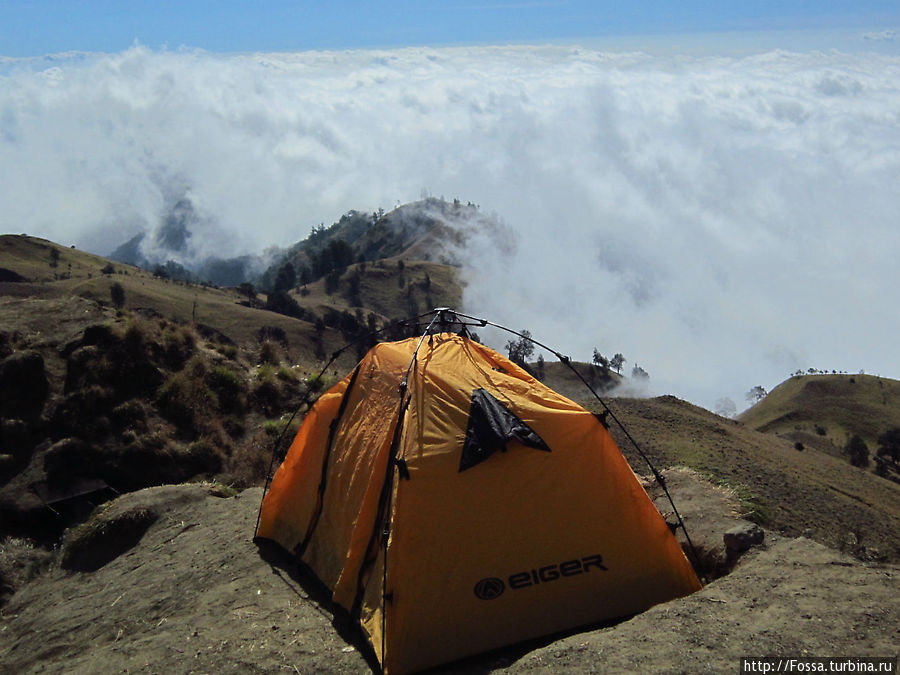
795	492
824	411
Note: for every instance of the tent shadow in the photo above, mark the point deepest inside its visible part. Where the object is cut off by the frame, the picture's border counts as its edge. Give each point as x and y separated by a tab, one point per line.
301	581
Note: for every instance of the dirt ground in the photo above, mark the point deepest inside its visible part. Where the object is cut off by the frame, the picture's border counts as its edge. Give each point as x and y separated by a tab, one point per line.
196	595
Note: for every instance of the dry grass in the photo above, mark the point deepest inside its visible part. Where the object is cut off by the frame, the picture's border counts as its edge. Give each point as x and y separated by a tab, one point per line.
809	492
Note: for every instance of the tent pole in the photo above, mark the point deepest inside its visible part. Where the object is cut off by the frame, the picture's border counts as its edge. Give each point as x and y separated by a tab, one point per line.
306	400
607	411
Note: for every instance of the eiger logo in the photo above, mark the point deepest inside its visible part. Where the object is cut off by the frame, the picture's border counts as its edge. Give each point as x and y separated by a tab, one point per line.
489	588
492	587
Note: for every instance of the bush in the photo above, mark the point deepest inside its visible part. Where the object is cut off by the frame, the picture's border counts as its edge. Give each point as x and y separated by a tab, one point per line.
101	540
273	333
858	451
286	374
889	444
200	457
178	346
117	295
230	352
82	413
267	396
184	397
249	463
270	353
228	387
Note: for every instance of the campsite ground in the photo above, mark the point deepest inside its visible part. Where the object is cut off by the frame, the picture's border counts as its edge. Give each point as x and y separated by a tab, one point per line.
195	594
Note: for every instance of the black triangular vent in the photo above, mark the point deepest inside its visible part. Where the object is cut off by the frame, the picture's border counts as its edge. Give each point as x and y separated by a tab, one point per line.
491	427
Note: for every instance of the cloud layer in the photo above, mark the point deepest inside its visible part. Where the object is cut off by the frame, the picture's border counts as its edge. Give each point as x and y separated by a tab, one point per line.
720	221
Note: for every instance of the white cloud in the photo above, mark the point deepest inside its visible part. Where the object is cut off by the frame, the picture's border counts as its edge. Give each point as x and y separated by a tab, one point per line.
881	36
720	221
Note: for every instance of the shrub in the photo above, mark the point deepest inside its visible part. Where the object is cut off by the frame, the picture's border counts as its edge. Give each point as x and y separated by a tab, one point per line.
200	457
249	463
101	540
270	353
183	397
273	333
285	373
117	295
267	397
229	389
83	413
228	351
135	337
858	451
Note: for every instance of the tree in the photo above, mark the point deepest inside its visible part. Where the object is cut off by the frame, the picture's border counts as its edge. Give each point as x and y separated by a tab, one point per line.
540	366
333	281
519	350
353	290
639	373
286	277
617	362
117	295
282	303
889	444
858	451
248	290
757	394
600	360
726	407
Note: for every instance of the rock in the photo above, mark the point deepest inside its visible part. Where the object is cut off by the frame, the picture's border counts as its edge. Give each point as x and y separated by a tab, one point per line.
16	438
69	458
741	537
7	464
23	383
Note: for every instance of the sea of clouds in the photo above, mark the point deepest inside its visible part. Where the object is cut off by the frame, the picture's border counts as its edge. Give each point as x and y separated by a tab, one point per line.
721	221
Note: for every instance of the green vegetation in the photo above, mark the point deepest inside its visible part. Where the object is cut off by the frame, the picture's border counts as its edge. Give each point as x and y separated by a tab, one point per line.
857	450
826	412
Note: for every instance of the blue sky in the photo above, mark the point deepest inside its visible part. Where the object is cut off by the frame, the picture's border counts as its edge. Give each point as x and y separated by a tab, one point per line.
39	27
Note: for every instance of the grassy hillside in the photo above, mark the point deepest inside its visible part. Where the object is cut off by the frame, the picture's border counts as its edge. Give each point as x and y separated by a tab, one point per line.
797	492
41	261
389	288
824	411
560	377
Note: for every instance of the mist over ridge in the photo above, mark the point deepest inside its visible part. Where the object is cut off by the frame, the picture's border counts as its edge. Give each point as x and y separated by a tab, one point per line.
722	221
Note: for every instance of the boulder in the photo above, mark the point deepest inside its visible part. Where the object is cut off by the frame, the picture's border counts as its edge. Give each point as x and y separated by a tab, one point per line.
741	537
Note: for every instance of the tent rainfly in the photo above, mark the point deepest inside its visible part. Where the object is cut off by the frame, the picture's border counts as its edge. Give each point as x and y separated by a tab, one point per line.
454	504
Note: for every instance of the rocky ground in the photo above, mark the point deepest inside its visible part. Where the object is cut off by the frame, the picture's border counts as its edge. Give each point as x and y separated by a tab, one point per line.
167	579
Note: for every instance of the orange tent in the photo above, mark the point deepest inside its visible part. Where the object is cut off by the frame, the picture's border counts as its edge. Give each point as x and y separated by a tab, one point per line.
455	504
